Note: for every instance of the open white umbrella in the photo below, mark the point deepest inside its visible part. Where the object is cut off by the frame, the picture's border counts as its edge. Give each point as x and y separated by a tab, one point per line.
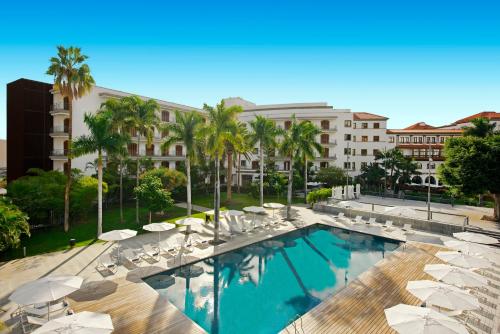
463	260
118	235
421	320
79	323
46	289
159	227
454	275
254	210
475	237
189	221
274	207
235	213
471	248
442	295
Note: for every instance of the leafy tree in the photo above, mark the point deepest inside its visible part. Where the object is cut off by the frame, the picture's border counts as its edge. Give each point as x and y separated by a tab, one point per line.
264	133
481	127
83	194
73	80
13	223
308	148
331	176
220	129
318	195
100	139
145	121
170	178
151	193
371	175
472	166
185	130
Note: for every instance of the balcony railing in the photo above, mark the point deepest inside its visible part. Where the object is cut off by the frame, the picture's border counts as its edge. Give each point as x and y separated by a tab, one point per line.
330	128
59	153
58	106
59	129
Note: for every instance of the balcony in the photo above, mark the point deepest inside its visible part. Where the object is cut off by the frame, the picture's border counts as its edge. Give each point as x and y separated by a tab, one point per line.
59	132
59	109
331	142
327	158
329	129
59	155
426	157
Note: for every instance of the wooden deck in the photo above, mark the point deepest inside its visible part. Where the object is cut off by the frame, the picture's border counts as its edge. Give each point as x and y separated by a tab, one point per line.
134	307
359	307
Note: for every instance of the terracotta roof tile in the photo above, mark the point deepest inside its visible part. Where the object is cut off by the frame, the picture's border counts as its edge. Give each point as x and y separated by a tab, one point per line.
486	114
365	116
420	126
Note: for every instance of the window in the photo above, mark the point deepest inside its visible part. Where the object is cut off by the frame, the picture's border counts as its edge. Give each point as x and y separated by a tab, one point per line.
164	133
178	150
132	149
150	151
419	165
376	152
347	123
391	139
326	152
243	163
66	103
325	124
165	116
347	151
353	165
354	125
256	150
353	151
376	138
376	125
164	152
133	132
353	138
286	165
347	136
364	152
415	139
364	165
347	165
364	125
325	138
364	138
442	139
255	164
178	165
165	164
288	124
323	164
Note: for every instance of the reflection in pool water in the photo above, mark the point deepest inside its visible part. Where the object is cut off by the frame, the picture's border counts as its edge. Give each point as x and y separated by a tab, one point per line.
263	287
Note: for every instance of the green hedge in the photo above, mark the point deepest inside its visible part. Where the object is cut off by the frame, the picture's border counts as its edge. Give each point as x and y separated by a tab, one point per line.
319	195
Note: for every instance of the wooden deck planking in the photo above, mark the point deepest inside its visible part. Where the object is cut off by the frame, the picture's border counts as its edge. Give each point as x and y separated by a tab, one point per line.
359	307
134	308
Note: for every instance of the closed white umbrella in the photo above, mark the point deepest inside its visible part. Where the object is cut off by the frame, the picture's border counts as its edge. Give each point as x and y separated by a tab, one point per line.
442	295
118	235
472	248
454	275
79	323
421	320
46	289
463	260
189	221
159	227
475	237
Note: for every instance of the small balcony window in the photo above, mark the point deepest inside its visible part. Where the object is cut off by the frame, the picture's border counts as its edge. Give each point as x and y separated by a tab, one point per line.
325	125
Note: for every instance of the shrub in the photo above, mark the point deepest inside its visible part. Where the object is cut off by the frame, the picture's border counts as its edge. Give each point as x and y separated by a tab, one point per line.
319	195
13	223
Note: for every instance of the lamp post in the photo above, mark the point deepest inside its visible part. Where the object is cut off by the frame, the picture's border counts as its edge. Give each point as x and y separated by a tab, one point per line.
429	182
347	172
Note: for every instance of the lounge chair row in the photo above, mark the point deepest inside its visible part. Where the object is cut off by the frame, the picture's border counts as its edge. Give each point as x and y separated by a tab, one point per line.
234	225
388	225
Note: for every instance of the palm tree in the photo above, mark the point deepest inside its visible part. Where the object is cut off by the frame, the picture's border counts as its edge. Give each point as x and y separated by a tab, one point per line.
390	160
122	121
407	168
145	120
232	145
73	80
308	147
481	127
185	130
220	130
242	148
264	132
101	139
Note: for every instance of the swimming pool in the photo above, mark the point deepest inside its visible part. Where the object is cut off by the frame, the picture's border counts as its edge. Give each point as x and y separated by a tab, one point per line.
262	287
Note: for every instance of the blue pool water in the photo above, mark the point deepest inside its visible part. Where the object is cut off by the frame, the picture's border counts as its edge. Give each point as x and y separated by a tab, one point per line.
263	287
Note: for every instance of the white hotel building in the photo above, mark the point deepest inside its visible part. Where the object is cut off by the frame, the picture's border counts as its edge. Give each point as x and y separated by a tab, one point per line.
349	139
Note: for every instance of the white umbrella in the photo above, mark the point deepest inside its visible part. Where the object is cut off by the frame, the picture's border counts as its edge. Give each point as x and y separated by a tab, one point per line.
475	237
254	209
421	320
79	323
46	289
463	260
158	227
468	247
235	213
401	211
454	275
442	295
189	221
350	204
273	206
118	235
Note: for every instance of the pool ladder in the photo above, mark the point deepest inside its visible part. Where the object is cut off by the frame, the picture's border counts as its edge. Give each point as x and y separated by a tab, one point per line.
296	322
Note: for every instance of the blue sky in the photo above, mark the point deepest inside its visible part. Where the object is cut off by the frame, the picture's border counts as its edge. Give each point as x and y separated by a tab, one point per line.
433	61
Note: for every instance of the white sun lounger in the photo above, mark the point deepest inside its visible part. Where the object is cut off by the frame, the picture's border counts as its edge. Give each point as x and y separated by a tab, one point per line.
388	226
358	220
371	221
151	252
341	216
131	255
196	240
106	262
408	230
168	248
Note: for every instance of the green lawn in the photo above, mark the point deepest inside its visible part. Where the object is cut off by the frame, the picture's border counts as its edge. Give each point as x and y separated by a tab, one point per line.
239	201
55	239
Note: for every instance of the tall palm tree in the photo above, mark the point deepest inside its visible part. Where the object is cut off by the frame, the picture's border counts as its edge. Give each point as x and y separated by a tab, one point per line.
242	148
122	121
145	121
220	129
264	132
185	130
407	168
73	80
232	145
390	161
308	147
101	139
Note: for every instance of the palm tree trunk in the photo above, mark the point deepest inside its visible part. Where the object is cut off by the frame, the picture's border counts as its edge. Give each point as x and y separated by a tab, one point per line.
261	175
290	189
238	182
229	175
99	193
217	198
137	180
68	171
305	179
496	207
150	217
121	190
188	190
